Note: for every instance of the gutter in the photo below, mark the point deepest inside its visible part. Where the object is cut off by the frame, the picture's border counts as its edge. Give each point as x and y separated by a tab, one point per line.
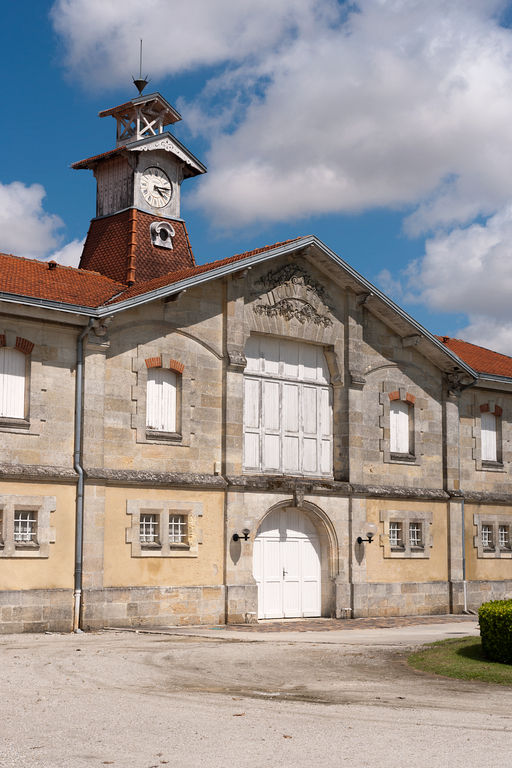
77	464
463	521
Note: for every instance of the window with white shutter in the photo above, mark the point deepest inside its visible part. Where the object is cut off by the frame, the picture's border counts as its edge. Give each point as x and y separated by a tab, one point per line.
12	383
399	427
489	436
287	408
161	400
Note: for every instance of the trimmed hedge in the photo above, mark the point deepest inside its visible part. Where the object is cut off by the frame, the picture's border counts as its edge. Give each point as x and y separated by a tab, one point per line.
495	620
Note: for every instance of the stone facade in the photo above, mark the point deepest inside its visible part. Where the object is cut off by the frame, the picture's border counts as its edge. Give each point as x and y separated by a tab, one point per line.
198	472
410	516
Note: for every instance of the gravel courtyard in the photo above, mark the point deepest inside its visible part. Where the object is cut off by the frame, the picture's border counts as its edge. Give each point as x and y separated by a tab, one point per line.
217	697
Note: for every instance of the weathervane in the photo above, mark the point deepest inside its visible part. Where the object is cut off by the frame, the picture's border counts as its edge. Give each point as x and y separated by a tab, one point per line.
141	82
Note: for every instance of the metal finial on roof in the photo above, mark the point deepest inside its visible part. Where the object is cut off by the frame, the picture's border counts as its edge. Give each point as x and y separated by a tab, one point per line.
141	82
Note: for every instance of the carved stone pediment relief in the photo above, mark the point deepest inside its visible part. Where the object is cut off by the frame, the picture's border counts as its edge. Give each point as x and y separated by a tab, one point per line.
294	309
294	274
291	292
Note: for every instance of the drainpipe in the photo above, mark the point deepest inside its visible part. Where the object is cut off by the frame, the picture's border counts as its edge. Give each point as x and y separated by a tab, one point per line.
464	582
77	464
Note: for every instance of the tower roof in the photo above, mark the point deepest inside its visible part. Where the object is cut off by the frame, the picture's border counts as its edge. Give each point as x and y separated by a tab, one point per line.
142	117
152	101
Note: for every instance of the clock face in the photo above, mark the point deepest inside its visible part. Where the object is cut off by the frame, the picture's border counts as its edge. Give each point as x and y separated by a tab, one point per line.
155	187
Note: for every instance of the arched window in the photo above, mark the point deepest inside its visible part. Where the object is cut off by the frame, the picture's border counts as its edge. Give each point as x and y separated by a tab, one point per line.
13	367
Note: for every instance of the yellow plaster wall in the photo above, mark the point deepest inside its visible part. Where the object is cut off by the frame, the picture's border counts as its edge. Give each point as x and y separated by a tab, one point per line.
479	568
121	569
55	571
434	568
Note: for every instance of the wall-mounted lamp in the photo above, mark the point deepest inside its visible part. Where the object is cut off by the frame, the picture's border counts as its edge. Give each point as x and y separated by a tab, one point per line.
244	535
369	538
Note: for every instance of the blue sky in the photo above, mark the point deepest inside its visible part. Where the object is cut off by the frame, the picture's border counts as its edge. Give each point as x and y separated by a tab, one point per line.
380	126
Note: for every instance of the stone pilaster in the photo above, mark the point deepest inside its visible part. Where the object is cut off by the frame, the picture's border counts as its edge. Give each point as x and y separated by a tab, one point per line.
235	362
455	554
451	448
93	438
355	382
357	556
241	589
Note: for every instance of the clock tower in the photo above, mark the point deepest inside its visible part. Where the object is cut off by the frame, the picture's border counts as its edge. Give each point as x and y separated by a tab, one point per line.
138	232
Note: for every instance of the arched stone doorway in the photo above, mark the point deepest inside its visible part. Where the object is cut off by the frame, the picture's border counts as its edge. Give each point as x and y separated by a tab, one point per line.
291	564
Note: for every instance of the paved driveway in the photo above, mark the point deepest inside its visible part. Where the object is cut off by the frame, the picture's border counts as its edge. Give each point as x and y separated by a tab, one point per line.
260	697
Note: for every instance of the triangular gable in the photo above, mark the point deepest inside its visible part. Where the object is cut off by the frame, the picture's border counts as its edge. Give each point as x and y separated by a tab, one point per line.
328	262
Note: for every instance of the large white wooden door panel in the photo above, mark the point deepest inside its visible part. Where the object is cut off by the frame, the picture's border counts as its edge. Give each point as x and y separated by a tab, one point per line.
288	404
271	425
290	559
273	592
287	566
310	560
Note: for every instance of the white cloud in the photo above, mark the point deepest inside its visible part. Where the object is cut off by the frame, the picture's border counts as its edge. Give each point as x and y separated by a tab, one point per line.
406	105
102	36
70	254
321	106
318	106
26	229
468	270
489	332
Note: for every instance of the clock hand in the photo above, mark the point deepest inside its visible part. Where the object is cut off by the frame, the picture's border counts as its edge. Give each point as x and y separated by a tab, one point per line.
161	190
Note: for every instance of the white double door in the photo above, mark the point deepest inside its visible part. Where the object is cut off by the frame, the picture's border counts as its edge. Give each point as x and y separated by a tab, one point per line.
286	566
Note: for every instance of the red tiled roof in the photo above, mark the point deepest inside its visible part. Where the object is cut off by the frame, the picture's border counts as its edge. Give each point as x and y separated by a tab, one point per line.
30	277
120	247
479	358
182	274
83	287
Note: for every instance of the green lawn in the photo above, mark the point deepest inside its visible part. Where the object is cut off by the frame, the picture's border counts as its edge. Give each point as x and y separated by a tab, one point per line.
462	658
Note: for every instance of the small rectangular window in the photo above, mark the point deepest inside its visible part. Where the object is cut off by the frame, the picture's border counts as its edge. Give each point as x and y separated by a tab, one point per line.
25	527
148	529
177	529
395	535
415	535
504	537
487	536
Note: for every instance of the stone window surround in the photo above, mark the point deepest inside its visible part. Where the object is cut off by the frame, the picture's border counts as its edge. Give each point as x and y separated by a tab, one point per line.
192	510
480	464
391	392
11	340
140	366
493	519
424	518
43	506
247	293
